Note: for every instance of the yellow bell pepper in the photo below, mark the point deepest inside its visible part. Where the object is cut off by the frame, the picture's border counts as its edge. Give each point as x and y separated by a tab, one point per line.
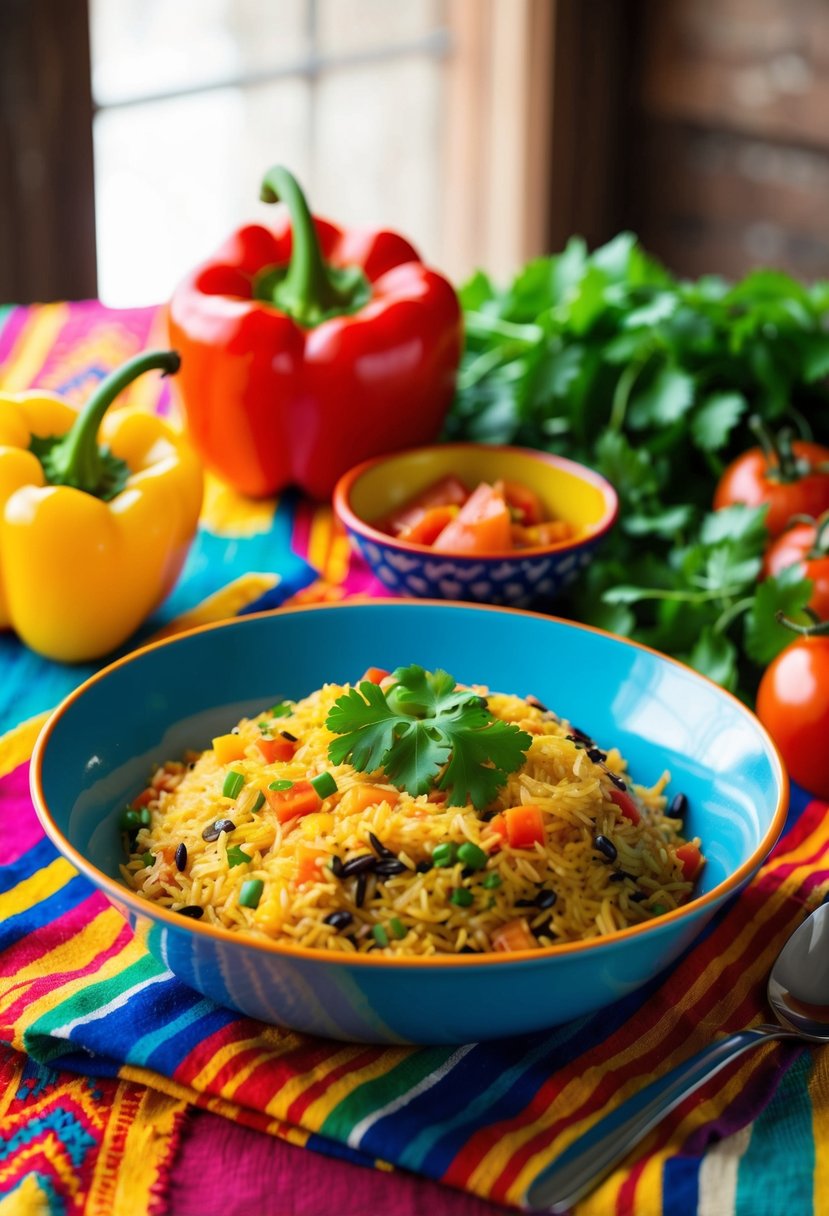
97	513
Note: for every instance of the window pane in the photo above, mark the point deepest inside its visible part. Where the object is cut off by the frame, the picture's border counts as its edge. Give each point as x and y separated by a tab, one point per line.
377	154
174	178
141	47
356	25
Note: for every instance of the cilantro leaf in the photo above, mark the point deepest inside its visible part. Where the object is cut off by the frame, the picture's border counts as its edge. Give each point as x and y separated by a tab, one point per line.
236	856
786	592
366	726
425	728
668	396
736	523
417	755
716	418
715	656
482	758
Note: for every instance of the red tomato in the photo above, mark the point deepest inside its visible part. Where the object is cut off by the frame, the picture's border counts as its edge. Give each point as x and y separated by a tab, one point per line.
429	526
481	526
524	503
626	805
690	858
793	705
747	479
445	492
794	548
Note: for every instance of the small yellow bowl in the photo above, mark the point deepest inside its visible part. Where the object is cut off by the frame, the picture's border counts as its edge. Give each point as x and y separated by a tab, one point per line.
519	578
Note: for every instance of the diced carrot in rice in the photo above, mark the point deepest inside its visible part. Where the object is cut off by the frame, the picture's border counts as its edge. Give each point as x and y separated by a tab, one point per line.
514	935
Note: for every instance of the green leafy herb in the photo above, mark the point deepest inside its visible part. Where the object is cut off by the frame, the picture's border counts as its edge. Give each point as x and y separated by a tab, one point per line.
787	593
236	856
425	731
607	358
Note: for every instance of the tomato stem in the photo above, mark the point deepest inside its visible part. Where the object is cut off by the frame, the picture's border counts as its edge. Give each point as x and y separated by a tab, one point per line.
820	544
781	463
816	629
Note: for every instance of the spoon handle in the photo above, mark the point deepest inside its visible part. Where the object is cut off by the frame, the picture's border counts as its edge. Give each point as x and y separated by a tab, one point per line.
589	1158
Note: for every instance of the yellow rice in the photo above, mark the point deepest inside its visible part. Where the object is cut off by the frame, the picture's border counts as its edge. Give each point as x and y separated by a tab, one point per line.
414	908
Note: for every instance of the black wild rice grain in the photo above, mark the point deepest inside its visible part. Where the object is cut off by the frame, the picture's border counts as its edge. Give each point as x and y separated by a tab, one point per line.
379	848
485	816
337	866
679	806
339	920
545	899
423	867
525	903
388	866
637	897
360	893
359	865
621	875
617	781
191	910
606	847
181	856
286	734
214	830
596	755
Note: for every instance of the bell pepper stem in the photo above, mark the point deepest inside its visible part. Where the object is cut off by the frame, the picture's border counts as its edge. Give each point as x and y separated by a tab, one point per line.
311	289
76	459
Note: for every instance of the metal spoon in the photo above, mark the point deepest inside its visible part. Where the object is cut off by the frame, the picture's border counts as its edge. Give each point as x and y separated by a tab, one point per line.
798	992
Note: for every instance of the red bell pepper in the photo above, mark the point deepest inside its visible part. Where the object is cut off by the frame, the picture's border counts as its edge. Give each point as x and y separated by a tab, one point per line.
306	349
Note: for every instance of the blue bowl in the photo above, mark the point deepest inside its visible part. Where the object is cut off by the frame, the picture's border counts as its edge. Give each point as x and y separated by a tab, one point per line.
520	578
96	750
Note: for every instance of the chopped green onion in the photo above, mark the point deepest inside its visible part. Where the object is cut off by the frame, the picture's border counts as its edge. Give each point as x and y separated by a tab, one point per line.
492	880
281	785
283	710
148	859
658	909
236	856
380	935
233	784
444	854
251	893
397	927
145	816
264	727
130	819
324	784
258	804
461	897
471	856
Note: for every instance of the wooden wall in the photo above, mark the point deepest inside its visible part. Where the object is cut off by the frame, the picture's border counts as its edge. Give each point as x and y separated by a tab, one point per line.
728	134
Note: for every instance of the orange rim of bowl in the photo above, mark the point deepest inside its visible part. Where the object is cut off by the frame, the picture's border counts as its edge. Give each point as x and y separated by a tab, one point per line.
348	516
122	895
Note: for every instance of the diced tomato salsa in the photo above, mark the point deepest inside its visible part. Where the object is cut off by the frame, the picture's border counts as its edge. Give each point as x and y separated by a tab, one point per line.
449	518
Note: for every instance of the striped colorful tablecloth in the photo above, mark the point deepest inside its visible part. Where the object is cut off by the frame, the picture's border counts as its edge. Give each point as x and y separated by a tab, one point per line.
105	1055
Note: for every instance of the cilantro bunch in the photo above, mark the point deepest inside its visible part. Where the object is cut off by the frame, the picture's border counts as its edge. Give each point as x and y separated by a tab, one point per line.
425	732
607	358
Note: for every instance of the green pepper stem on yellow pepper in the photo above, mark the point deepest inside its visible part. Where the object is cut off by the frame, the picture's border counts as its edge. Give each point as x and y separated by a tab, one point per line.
97	512
75	459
